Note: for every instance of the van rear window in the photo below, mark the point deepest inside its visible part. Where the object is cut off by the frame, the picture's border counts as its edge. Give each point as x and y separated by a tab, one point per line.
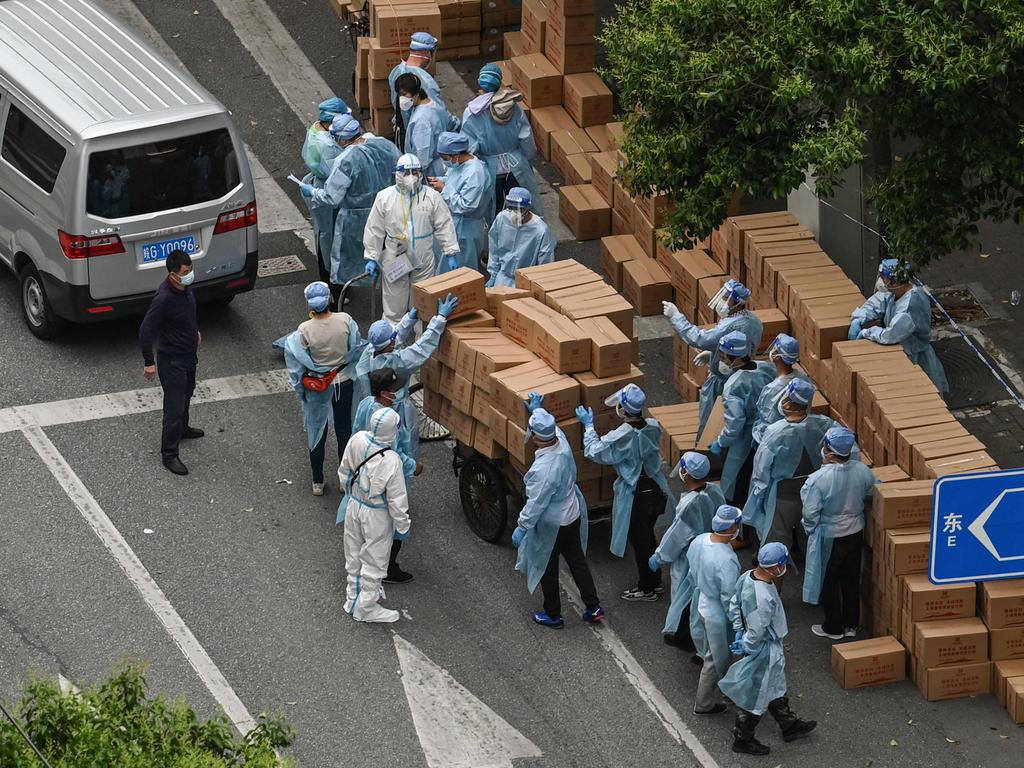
28	148
161	175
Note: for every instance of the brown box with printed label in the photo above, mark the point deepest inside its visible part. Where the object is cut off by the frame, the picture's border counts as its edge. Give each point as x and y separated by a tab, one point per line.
950	641
584	211
547	333
924	601
907	551
954	681
586	98
864	663
610	349
512	386
464	283
537	79
646	285
554	276
545	121
616	250
1002	603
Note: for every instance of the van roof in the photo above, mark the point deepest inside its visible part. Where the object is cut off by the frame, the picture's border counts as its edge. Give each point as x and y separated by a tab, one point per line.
86	74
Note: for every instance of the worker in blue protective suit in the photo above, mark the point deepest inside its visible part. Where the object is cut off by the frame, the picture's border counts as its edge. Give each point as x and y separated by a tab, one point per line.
364	167
518	238
500	135
467	190
422	48
693	515
553	522
757	682
783	354
743	385
427	121
833	499
321	356
714	568
790	448
642	494
384	393
388	349
319	151
730	305
906	316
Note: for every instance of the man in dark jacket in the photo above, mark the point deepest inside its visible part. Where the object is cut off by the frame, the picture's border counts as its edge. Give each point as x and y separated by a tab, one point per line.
171	325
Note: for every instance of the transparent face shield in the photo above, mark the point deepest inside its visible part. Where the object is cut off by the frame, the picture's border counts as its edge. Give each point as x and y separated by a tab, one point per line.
516	213
408	180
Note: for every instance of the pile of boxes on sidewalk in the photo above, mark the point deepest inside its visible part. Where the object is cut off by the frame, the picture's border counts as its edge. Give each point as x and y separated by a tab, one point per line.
561	332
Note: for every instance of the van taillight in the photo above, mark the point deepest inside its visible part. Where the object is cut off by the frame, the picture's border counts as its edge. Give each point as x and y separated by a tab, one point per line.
236	219
82	247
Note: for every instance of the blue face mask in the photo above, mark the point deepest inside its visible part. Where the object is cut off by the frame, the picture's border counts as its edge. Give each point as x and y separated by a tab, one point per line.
187	279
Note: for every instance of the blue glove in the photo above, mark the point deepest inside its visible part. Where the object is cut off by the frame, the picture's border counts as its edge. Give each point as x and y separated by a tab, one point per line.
447	305
490	281
716	448
306	190
855	329
736	647
654	563
517	536
536	401
371	267
585	415
452	264
402	536
413	314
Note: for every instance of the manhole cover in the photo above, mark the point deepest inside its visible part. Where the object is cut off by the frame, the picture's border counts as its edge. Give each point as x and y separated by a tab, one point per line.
280	266
971	383
961	305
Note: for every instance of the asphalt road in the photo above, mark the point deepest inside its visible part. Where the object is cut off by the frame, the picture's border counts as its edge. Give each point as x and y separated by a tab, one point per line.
254	567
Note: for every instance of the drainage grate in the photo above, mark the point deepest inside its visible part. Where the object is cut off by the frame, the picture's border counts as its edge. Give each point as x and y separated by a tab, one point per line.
280	266
962	305
971	383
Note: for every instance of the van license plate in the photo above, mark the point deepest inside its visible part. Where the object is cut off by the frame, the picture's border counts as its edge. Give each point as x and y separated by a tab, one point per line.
158	251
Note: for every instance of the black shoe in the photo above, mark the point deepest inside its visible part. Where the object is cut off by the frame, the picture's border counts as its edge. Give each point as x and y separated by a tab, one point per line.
398	576
750	746
192	433
799	729
175	466
718	709
679	642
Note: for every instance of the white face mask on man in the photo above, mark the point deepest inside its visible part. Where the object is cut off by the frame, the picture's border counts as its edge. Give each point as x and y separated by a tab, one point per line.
409	182
722	308
724	368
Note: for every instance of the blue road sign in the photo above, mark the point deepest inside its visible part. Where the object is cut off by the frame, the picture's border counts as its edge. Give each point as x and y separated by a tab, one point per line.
978	527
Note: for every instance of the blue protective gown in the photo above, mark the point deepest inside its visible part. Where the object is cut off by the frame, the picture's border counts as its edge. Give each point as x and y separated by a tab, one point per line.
631	451
428	84
428	121
511	247
908	321
358	174
319	152
714	568
403	443
470	198
404	361
693	517
506	148
834	498
708	340
739	402
317	411
768	401
777	458
550	488
759	678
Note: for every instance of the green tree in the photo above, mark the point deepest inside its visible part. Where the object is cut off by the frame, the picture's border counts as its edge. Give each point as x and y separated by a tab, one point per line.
118	725
720	95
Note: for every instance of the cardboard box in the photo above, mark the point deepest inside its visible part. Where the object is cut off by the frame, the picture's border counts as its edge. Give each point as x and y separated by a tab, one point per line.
567	58
1006	643
554	338
594	390
610	349
585	96
498	295
623	203
545	121
461	425
1013	697
950	642
864	663
775	264
603	137
774	322
393	25
686	270
1002	672
604	166
464	283
460	394
926	453
890	473
908	439
494	356
1002	603
955	465
537	79
736	226
646	285
569	141
534	22
512	386
448	346
613	307
564	298
571	7
645	234
517	445
554	276
907	550
481	318
578	170
924	601
616	250
955	681
584	211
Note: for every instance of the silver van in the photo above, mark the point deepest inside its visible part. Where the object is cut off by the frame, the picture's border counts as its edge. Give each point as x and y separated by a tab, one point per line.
111	158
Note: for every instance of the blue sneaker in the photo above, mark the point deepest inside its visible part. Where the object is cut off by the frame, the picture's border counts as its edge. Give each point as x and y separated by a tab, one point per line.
555	622
595	616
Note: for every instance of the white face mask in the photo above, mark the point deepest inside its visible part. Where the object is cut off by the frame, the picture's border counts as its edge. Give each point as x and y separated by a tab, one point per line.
405	103
187	279
516	217
722	308
409	182
734	535
724	368
782	410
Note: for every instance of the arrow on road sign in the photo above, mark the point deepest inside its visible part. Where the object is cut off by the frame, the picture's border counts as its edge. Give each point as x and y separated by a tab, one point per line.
978	527
455	728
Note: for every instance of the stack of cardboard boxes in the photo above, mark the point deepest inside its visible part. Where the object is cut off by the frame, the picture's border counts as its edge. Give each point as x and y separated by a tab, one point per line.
461	25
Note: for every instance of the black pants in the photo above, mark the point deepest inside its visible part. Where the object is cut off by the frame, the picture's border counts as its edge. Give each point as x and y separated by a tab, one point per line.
742	489
503	184
840	592
396	547
341	403
325	277
177	374
648	504
568	545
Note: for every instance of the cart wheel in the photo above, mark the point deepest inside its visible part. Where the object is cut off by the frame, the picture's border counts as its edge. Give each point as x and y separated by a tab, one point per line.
483	498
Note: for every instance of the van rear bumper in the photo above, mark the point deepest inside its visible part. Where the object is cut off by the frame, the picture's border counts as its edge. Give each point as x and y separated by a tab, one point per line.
73	302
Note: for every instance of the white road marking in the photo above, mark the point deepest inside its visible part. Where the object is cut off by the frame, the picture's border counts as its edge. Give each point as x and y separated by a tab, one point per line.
644	686
135	401
277	213
455	728
136	572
